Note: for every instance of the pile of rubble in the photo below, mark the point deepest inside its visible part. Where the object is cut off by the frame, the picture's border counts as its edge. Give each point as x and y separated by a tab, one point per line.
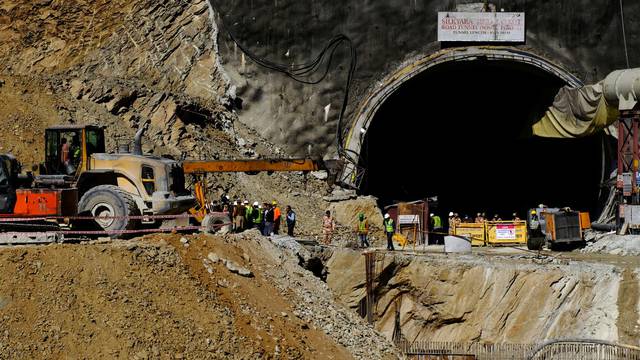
171	296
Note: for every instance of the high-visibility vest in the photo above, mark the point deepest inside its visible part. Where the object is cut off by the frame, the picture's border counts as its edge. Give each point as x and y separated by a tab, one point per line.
257	219
362	227
388	225
247	212
437	223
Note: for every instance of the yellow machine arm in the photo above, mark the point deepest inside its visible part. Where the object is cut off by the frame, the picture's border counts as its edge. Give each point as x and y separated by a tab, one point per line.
200	167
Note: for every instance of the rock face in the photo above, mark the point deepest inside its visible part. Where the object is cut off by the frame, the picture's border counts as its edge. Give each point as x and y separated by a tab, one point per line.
346	212
120	64
585	37
497	300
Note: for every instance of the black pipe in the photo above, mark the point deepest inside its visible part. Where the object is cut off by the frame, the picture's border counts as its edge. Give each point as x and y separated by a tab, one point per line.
603	227
137	140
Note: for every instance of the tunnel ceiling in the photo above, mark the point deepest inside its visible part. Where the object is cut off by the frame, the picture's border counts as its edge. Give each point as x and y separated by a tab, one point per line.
461	131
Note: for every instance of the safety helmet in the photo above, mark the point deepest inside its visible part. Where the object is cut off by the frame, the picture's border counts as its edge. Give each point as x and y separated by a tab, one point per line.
255	203
431	214
246	202
235	203
450	213
533	212
386	216
274	202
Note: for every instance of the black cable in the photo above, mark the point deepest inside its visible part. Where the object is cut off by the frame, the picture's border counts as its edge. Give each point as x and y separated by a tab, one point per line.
301	73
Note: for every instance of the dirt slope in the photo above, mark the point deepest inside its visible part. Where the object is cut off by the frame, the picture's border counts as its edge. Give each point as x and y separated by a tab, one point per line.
160	299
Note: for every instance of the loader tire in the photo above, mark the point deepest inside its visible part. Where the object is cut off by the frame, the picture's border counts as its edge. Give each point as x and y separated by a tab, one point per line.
214	223
111	201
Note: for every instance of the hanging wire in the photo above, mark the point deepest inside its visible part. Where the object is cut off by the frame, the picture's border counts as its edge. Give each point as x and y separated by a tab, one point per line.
624	35
304	73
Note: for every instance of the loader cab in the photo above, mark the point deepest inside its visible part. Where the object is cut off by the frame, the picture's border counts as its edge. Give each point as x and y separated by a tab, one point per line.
67	148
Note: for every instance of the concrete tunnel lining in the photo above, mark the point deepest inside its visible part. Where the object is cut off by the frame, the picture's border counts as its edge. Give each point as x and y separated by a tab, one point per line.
383	89
547	76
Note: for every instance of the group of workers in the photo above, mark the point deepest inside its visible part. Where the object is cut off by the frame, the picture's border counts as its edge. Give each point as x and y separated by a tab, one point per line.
362	229
265	217
455	219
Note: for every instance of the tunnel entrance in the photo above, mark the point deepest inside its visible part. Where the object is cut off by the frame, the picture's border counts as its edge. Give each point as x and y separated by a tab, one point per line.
461	131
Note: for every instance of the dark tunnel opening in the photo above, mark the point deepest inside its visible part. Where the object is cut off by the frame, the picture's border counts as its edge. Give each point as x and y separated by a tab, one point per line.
461	131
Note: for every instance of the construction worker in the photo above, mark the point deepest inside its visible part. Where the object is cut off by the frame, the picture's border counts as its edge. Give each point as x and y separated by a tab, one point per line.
291	220
328	226
437	228
515	217
277	217
363	230
257	216
238	216
479	218
389	229
64	153
75	151
451	223
269	217
248	215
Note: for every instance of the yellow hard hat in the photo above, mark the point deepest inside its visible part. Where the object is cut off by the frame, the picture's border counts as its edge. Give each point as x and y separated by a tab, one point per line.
533	212
274	202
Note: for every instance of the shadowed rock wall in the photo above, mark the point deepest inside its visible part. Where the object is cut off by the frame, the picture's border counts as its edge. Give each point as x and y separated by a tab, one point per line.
584	36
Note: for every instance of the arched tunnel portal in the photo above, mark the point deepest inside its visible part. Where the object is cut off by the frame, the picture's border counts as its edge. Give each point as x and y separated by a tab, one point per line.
457	125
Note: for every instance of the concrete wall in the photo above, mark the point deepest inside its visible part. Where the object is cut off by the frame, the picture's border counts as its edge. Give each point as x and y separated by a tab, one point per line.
584	36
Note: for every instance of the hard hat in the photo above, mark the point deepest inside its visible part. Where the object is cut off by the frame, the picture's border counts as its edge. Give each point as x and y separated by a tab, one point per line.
235	203
386	216
431	214
246	202
274	202
450	213
255	203
533	212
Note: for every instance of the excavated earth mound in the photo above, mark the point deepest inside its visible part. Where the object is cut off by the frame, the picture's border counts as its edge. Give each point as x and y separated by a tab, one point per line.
172	297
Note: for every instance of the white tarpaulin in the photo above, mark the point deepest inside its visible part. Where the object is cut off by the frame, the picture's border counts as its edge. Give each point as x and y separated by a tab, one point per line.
576	112
481	26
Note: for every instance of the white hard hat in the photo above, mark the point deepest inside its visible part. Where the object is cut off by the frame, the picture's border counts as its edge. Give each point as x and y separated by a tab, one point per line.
386	216
235	203
246	202
255	203
450	213
431	214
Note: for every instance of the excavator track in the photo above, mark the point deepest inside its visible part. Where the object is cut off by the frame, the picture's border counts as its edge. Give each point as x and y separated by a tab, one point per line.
29	233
